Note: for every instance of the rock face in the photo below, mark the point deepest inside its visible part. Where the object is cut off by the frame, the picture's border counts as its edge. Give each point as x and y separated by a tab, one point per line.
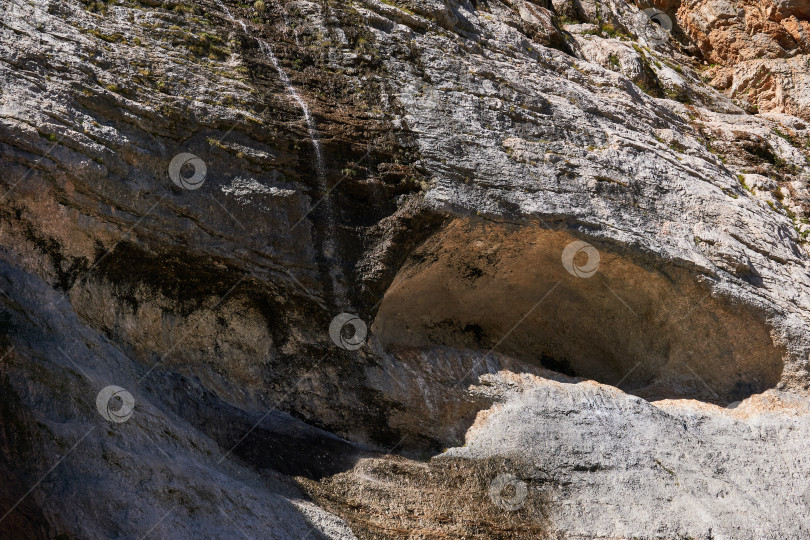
760	51
569	244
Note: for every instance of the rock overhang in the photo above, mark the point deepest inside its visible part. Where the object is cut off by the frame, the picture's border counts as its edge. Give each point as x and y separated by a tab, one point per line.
549	298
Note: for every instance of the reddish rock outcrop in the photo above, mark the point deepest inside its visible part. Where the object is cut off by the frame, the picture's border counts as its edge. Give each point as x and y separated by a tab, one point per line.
759	51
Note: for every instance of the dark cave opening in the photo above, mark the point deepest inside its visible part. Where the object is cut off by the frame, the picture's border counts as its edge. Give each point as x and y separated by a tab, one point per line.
653	329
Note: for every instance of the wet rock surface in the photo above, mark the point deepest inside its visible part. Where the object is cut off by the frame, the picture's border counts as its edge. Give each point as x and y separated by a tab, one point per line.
572	241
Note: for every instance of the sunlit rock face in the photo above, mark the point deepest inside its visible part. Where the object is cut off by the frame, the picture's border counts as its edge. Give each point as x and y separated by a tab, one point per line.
761	50
427	268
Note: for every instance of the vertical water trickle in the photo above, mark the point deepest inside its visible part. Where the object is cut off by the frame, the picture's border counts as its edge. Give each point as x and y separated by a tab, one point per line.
325	201
313	134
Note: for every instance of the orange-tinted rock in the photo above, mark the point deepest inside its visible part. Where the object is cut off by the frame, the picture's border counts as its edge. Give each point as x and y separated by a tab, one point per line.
761	48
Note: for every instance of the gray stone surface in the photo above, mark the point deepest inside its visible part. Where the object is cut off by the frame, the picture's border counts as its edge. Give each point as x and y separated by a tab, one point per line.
154	475
634	469
464	146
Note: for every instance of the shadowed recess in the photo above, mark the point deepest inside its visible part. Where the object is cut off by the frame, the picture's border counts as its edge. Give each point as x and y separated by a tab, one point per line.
654	332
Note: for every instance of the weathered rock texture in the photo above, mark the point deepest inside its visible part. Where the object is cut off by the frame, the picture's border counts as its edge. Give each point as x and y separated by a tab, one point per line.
758	51
424	164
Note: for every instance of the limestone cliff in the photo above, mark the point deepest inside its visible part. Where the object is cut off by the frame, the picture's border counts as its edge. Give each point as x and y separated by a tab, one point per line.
404	269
